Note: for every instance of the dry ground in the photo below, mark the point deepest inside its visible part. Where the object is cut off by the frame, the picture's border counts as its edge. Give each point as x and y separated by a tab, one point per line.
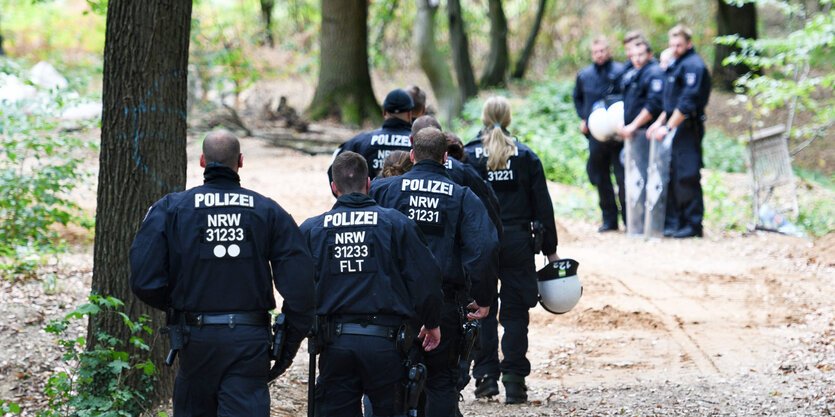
725	325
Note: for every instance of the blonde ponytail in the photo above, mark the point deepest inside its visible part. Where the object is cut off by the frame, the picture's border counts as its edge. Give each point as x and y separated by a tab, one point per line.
496	116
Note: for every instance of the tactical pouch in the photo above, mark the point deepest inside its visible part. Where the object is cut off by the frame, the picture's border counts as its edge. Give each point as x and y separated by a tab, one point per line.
405	339
471	330
414	387
177	335
326	331
279	330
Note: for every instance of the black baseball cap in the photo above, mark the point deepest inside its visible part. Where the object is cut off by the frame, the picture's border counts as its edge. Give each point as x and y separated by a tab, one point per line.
398	101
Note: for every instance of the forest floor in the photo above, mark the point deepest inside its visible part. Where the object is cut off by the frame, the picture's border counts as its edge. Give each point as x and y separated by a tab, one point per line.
730	324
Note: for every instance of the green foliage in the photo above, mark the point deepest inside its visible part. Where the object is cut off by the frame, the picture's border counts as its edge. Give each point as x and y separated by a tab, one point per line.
815	195
722	152
8	407
94	381
52	31
796	68
40	166
817	215
722	210
222	49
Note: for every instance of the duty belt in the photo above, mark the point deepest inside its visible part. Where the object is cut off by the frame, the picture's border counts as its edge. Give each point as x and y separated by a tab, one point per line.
524	227
365	330
231	319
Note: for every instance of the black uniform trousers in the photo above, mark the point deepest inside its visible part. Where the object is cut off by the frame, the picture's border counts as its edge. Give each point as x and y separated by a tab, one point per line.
604	158
440	393
518	294
353	365
223	372
685	202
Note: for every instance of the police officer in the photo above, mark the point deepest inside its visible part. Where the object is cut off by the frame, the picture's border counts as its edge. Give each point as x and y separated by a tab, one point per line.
465	174
210	256
630	39
642	89
515	173
462	239
686	92
374	275
596	85
419	98
374	146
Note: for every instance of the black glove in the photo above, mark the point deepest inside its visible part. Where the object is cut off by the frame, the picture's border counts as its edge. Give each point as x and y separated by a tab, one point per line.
286	359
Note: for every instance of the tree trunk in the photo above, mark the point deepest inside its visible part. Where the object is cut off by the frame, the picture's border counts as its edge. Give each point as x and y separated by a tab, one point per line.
732	20
497	61
467	87
344	89
433	63
527	52
267	18
2	51
143	149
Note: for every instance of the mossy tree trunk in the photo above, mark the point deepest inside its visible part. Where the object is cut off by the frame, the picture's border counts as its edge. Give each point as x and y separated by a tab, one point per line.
495	72
143	150
344	89
267	7
467	87
530	42
434	64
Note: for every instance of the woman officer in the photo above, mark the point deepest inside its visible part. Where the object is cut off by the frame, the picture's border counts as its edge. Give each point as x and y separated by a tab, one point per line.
515	173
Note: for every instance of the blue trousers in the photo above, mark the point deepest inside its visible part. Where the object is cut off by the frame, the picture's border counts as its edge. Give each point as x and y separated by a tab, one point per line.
354	365
223	372
440	391
685	202
604	159
518	294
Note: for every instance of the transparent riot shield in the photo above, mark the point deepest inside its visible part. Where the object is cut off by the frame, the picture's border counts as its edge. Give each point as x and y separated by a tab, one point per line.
658	179
635	165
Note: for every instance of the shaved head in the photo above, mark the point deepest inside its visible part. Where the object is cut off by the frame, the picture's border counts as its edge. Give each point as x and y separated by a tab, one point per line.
222	146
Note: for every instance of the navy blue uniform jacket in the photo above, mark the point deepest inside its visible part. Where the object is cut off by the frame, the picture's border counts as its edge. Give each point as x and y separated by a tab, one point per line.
594	83
521	188
643	89
466	175
687	87
375	146
454	221
372	260
220	248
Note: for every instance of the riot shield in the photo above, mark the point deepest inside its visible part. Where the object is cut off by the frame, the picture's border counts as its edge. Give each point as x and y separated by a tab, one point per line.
635	165
658	179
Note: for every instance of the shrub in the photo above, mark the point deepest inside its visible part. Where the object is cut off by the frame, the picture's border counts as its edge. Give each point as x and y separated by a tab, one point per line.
95	380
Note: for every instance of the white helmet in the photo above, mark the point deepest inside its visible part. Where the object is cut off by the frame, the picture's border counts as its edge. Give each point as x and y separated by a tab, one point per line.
559	287
615	114
599	124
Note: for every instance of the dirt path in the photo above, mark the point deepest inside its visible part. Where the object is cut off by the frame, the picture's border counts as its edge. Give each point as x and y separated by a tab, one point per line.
673	327
725	325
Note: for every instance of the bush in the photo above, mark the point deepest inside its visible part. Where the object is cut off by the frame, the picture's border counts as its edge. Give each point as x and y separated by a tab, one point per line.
40	165
722	152
95	381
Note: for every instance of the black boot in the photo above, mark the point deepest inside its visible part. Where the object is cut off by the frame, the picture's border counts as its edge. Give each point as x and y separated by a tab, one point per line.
486	387
688	231
515	392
